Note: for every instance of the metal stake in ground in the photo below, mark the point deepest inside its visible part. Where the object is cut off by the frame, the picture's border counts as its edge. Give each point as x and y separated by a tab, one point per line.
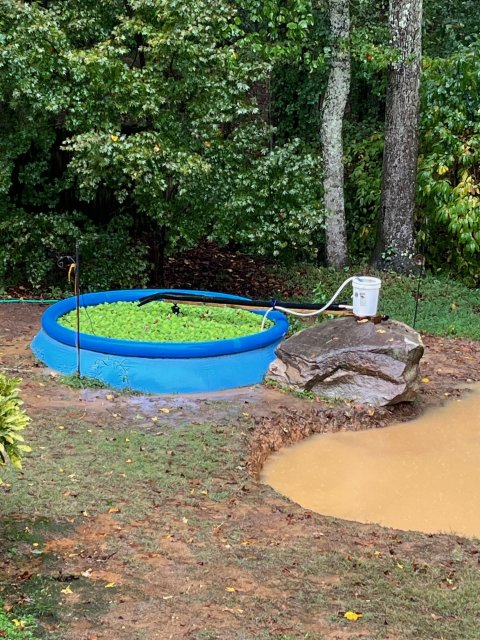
77	294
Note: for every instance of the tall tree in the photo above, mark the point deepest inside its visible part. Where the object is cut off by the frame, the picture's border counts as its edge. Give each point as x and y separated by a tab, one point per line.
395	242
333	110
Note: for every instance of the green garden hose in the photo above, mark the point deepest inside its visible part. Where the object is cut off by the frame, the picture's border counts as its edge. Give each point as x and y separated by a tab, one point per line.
31	301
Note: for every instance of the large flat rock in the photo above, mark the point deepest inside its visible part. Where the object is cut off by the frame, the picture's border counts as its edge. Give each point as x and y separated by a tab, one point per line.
348	360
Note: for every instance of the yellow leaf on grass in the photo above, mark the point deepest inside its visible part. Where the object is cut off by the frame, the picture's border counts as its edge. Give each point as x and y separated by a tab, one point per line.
19	624
110	585
230	589
165	410
352	615
67	590
425	380
113	510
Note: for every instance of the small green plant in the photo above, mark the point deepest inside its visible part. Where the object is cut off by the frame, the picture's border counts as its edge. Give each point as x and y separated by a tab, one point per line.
81	382
302	394
12	420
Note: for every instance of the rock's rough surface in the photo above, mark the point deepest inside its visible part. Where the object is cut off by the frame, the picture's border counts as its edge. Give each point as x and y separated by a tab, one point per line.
345	359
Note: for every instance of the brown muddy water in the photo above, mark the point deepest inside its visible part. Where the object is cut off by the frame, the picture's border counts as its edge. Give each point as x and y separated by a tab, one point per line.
423	475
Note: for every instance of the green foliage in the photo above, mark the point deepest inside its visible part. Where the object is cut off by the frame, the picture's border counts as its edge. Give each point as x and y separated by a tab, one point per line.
449	26
12	628
157	322
140	128
12	421
274	205
363	175
31	244
124	120
449	179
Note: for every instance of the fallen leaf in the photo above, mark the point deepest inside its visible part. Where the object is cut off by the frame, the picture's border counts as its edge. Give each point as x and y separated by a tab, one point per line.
66	591
230	589
19	624
110	585
110	396
381	331
165	410
425	380
352	615
60	426
240	611
113	510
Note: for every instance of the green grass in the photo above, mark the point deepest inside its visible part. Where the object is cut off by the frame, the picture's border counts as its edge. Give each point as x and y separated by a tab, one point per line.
445	307
16	628
89	469
156	322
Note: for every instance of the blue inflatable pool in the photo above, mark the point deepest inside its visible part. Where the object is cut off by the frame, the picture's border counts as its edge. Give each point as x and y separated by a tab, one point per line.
156	367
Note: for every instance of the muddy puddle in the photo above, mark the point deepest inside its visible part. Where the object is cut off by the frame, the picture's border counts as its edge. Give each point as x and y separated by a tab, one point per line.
422	475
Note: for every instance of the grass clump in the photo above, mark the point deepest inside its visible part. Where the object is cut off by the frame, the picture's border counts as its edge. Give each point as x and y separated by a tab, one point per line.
12	628
157	322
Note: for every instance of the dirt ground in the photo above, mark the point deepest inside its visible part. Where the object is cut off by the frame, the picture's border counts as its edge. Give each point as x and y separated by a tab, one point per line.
248	564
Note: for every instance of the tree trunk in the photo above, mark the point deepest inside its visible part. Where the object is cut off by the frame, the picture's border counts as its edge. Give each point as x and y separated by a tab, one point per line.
333	110
395	241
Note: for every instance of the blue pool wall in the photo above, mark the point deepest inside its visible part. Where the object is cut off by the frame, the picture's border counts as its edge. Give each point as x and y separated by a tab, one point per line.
156	367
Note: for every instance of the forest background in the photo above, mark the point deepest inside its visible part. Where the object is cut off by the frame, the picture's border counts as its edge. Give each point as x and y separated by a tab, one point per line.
140	128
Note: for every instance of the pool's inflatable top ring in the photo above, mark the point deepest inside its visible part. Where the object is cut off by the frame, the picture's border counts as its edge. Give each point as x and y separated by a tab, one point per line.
146	349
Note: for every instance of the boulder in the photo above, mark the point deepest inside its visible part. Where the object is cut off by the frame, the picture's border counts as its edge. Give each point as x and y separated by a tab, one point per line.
351	360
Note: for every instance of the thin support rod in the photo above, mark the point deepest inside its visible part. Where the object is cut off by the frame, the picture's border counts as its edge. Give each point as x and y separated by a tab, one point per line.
417	295
77	294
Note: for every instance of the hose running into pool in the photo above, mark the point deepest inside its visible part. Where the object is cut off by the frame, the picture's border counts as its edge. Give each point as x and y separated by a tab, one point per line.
311	313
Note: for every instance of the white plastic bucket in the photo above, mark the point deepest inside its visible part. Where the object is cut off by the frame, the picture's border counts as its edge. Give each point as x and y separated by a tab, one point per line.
366	291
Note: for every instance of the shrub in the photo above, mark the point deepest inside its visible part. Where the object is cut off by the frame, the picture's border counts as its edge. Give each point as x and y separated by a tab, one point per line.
12	420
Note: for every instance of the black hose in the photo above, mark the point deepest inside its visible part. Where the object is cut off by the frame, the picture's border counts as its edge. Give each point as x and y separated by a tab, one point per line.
267	304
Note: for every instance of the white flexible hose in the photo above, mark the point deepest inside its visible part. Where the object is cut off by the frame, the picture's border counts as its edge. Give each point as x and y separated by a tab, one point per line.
310	313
